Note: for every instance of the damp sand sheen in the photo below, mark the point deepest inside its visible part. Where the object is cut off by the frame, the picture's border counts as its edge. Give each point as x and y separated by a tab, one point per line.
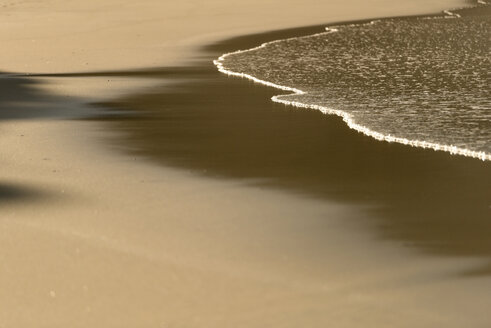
94	234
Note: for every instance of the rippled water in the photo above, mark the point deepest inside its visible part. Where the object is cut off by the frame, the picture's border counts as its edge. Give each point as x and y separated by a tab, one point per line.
417	79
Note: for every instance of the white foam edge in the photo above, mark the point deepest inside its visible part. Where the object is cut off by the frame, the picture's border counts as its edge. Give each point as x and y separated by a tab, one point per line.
347	118
451	14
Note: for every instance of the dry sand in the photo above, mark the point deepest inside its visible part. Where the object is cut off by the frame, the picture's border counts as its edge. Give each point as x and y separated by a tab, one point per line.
91	237
73	35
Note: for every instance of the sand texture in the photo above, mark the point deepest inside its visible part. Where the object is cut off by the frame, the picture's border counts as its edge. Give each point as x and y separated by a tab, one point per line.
98	231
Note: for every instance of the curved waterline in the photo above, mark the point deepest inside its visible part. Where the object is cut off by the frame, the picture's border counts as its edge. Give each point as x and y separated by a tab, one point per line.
347	118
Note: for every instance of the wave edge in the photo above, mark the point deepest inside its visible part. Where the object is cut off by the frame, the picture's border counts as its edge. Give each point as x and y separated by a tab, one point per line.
347	118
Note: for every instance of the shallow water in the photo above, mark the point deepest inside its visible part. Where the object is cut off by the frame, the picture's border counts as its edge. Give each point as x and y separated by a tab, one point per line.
416	79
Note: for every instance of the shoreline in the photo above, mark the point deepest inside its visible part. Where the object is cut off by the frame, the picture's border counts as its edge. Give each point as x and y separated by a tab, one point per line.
347	118
304	151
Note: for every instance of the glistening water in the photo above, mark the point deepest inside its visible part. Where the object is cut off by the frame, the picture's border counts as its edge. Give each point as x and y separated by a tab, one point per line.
422	81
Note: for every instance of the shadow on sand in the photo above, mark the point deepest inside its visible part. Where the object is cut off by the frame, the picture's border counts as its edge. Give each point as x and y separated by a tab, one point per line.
228	127
11	193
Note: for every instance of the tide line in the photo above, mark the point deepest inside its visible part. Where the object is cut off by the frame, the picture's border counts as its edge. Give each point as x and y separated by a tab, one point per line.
347	118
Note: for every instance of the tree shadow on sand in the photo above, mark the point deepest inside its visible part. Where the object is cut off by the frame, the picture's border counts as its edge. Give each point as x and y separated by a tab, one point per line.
10	193
21	99
228	127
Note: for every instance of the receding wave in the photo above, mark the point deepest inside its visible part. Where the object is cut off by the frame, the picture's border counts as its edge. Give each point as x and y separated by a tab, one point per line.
416	81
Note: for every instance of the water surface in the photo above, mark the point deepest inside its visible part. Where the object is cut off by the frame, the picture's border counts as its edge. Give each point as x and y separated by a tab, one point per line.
419	80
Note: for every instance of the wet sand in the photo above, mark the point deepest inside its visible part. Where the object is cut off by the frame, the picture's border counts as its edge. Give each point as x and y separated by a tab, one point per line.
226	127
93	237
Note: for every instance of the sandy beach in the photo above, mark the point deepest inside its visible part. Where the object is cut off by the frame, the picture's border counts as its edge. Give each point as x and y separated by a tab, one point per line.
142	219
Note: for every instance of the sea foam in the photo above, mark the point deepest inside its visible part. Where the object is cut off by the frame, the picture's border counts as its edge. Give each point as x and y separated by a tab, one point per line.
345	115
